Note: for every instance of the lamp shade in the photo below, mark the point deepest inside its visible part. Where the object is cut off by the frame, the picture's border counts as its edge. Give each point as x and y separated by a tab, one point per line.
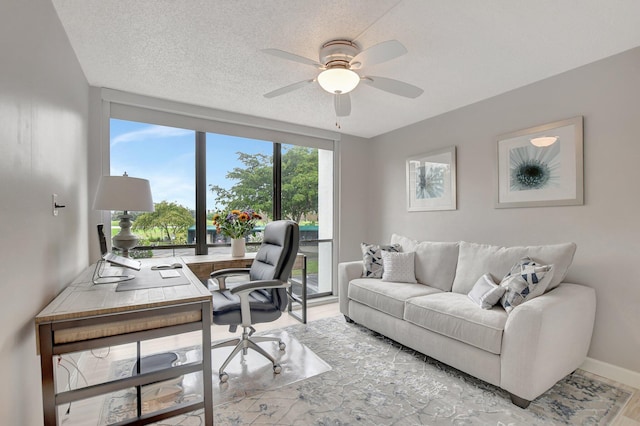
123	193
338	80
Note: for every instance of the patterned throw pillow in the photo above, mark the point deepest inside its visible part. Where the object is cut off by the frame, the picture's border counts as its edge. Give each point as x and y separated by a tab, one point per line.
399	267
372	258
486	293
525	281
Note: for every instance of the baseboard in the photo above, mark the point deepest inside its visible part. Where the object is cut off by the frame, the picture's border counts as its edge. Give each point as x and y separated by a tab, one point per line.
613	372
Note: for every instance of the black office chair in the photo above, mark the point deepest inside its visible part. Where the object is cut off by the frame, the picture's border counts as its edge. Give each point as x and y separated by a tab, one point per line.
262	298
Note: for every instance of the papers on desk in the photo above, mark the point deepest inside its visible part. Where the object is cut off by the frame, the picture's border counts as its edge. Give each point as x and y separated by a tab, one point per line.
169	274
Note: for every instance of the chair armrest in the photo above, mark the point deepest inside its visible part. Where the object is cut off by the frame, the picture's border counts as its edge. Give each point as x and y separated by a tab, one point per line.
244	290
347	271
221	275
257	285
546	338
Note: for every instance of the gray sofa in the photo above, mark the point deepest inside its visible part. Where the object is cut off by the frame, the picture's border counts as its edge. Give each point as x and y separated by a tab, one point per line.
525	351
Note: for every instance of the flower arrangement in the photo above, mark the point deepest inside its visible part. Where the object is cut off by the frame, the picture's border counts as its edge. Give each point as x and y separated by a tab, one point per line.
235	223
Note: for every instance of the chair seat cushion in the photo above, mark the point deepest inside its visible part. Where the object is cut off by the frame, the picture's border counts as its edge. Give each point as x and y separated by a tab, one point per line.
226	307
456	316
388	297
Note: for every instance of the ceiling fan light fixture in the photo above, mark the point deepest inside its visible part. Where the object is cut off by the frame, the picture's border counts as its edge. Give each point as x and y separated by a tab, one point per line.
544	141
338	80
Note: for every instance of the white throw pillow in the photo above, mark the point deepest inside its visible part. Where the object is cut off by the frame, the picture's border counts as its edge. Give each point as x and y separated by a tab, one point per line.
398	267
372	258
526	280
486	293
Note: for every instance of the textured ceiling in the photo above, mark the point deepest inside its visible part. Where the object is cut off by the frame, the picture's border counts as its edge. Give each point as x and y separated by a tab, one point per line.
208	52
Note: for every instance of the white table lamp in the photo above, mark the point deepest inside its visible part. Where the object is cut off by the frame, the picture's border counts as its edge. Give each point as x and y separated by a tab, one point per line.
124	193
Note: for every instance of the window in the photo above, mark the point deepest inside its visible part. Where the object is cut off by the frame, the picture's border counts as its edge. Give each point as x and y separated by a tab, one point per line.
279	180
165	156
307	198
239	175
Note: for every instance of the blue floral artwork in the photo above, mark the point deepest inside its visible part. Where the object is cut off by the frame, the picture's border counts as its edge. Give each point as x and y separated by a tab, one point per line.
533	168
538	173
430	180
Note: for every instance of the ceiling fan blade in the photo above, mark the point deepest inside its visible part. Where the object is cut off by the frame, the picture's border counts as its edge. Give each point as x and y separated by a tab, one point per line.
342	103
393	86
292	57
287	89
379	53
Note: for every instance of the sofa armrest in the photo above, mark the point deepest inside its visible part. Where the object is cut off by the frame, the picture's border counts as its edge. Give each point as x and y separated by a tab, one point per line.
545	339
347	271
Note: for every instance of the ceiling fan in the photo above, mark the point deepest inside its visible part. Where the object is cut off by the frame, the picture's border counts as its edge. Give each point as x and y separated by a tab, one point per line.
338	59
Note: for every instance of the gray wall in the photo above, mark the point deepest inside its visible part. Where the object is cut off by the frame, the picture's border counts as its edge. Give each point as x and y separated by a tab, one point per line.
353	220
606	229
43	132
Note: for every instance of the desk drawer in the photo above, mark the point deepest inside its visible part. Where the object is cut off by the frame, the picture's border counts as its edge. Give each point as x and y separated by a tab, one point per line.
116	328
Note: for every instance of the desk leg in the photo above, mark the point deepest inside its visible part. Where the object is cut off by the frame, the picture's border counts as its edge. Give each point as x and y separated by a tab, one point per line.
49	410
207	379
304	290
139	387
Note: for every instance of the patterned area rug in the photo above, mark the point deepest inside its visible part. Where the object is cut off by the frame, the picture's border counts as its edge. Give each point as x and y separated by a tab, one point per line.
248	375
376	381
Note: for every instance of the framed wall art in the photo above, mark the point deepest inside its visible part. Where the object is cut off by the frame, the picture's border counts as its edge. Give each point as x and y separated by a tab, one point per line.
541	166
431	181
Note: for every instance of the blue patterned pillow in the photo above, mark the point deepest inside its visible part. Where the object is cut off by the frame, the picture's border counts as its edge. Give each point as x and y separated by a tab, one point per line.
525	281
372	258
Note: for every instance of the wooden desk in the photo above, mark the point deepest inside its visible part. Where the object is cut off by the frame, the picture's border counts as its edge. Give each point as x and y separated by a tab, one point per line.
87	316
203	265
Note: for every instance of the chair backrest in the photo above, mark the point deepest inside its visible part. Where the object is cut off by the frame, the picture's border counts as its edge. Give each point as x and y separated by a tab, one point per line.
276	256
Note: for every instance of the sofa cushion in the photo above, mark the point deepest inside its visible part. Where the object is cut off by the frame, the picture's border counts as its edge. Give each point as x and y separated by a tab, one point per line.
486	293
398	267
435	262
372	258
388	297
475	260
526	280
456	316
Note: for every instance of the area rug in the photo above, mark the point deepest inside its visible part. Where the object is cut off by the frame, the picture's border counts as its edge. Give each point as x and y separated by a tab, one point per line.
376	381
248	375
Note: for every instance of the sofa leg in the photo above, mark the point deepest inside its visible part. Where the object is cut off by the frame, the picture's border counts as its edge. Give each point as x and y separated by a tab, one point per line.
349	320
520	402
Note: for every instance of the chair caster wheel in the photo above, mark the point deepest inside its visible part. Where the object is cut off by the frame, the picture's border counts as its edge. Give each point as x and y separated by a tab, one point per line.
281	345
277	369
223	377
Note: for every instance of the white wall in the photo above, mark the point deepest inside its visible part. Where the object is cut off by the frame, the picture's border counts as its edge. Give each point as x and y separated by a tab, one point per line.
43	132
606	229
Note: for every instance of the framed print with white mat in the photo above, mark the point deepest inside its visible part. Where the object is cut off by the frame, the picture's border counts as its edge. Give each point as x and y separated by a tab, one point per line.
541	166
431	180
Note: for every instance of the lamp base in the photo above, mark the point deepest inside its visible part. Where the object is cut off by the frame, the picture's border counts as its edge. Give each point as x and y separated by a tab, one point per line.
125	239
